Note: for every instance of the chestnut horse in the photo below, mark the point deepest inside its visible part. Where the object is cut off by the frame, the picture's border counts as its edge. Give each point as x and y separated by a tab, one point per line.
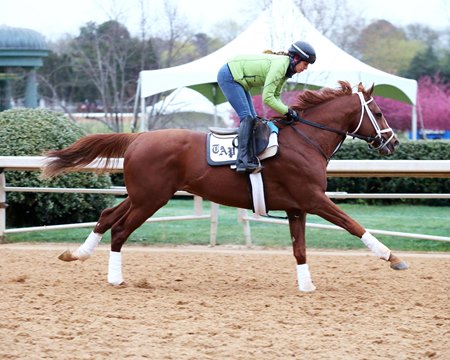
158	163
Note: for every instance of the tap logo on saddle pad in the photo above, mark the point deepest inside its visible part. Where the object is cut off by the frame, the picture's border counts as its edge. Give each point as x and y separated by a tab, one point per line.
221	149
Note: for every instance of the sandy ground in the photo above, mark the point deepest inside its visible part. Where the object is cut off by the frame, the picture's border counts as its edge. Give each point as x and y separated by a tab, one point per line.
202	303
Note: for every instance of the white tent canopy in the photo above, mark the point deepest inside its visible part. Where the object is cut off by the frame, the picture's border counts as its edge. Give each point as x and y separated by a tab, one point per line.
276	29
187	100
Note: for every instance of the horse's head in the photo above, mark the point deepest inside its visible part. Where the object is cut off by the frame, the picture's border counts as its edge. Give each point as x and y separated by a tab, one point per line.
372	125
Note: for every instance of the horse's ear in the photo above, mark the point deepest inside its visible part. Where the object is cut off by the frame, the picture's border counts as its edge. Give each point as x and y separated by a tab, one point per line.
361	87
370	91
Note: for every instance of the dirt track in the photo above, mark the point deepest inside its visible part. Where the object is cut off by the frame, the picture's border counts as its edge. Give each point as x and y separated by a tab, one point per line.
198	303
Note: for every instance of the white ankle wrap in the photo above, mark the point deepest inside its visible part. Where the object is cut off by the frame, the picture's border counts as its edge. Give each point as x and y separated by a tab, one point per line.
115	268
304	278
377	248
85	250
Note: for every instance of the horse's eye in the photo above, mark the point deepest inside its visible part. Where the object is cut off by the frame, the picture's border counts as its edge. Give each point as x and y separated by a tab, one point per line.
379	115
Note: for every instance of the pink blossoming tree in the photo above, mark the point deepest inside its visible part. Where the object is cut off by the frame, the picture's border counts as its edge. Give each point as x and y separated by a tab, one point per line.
433	106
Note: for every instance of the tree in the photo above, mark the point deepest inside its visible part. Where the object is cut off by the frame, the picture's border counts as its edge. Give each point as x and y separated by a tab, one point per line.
422	33
59	82
424	63
432	106
444	66
386	47
334	19
225	31
102	54
434	100
398	114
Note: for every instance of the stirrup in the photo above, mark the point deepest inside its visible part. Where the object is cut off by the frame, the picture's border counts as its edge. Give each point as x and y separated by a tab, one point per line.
253	168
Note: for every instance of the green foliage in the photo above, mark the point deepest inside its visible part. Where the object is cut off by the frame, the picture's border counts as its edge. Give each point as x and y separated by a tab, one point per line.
424	63
386	47
408	150
29	132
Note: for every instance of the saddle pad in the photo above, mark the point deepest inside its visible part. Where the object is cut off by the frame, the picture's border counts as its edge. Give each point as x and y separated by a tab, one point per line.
220	149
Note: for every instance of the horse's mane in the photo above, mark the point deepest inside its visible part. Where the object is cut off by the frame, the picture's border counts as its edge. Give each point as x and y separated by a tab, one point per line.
310	98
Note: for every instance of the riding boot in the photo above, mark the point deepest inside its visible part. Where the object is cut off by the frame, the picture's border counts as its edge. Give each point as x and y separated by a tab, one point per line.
253	164
246	161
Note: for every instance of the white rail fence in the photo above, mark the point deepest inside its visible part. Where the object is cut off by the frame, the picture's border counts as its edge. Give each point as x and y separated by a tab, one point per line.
26	163
336	168
370	168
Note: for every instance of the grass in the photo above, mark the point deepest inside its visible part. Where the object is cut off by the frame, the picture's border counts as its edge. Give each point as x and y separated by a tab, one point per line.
401	218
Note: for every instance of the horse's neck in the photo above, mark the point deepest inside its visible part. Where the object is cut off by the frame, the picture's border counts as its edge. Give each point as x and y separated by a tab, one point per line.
338	114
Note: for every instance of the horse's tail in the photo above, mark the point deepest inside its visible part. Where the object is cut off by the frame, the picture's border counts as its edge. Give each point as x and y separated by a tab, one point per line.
86	150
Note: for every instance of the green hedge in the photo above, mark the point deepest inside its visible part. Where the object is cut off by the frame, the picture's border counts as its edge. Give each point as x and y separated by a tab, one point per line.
408	150
29	132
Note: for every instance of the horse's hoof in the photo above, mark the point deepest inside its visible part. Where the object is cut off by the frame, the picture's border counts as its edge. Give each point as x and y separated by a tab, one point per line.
307	288
67	256
399	265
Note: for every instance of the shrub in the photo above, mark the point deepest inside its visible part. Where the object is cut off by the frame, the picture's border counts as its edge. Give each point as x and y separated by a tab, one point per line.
30	132
408	150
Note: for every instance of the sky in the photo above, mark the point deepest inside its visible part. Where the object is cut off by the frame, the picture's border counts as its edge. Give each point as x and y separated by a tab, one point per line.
54	18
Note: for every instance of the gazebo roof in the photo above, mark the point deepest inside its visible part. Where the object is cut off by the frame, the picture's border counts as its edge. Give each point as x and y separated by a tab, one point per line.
21	47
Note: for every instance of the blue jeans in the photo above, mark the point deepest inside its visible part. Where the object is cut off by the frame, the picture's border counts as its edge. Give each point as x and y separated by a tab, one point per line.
238	97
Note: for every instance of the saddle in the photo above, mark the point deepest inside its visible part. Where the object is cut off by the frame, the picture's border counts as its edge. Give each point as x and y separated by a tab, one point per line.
221	144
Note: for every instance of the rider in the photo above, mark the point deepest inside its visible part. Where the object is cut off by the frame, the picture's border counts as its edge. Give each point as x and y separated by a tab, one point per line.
269	71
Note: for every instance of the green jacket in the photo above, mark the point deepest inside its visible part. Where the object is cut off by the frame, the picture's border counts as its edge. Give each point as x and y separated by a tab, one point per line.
263	70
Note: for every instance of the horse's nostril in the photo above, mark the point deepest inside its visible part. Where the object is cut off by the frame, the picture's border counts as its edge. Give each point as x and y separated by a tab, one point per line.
396	143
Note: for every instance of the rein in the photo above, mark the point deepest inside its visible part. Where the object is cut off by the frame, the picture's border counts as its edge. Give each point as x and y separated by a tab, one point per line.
369	139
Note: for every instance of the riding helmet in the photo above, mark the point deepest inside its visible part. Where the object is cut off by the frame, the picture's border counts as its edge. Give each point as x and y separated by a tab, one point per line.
304	51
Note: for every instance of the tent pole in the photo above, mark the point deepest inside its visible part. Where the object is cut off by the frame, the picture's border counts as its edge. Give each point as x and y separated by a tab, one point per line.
414	123
143	114
136	102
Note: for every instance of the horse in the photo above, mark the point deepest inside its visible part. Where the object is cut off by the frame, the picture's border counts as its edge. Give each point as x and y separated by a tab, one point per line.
160	162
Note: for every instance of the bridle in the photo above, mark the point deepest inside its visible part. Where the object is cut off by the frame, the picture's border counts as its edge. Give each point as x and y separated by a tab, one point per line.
378	138
376	142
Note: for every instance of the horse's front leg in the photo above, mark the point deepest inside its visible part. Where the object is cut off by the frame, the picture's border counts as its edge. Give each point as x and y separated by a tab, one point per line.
329	211
107	218
297	221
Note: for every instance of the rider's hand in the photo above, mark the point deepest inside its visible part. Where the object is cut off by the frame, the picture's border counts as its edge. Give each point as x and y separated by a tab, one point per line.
292	114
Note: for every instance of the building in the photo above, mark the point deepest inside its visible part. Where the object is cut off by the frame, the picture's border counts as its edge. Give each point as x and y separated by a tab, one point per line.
21	53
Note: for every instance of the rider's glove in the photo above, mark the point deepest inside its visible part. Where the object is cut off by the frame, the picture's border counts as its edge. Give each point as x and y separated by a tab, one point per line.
292	114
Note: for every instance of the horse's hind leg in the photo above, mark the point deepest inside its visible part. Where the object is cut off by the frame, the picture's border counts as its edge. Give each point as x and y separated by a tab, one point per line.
329	211
297	221
107	218
135	216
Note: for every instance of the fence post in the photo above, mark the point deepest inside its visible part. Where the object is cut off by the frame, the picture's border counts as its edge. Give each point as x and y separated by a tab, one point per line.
2	206
214	222
242	216
198	205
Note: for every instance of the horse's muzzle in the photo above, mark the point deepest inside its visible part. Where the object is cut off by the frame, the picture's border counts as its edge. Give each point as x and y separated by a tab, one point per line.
389	147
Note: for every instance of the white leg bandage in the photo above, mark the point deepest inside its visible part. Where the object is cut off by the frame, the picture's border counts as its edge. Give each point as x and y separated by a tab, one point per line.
115	268
377	248
304	278
87	248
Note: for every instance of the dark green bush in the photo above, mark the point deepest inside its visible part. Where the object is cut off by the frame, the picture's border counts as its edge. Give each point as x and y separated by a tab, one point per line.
408	150
30	132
